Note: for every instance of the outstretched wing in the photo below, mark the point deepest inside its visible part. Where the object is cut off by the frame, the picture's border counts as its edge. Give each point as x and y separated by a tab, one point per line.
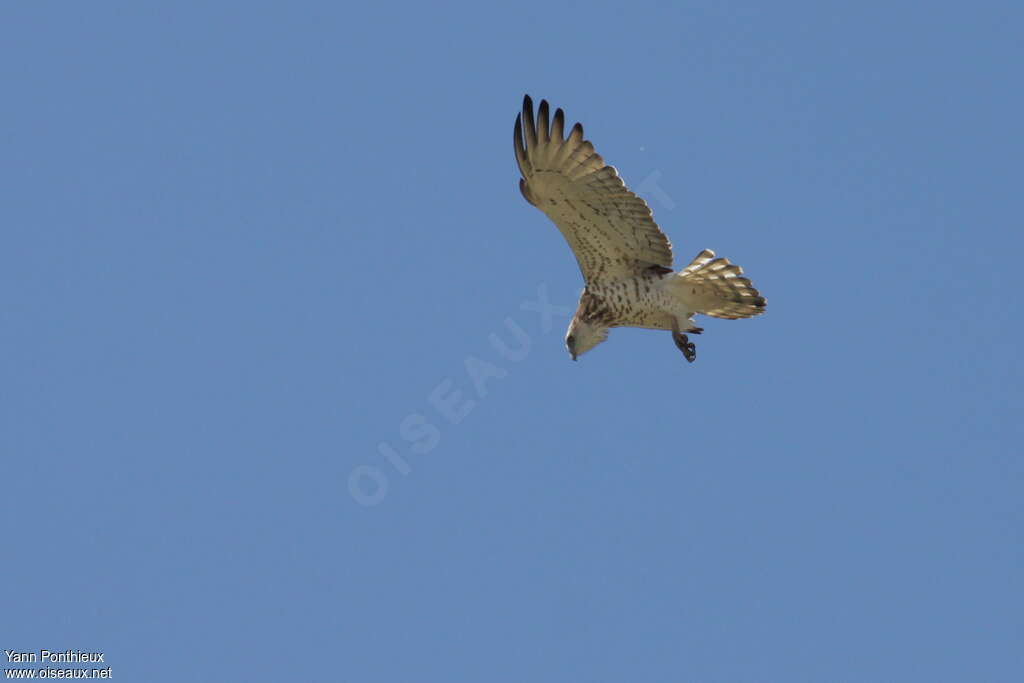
609	228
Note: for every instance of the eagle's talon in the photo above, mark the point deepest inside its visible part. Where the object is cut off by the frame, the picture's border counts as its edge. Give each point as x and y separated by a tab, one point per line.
688	348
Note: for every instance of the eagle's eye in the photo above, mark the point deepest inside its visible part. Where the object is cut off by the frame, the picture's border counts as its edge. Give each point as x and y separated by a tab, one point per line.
570	341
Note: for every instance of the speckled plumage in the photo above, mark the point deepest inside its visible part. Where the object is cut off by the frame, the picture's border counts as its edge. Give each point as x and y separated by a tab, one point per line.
626	260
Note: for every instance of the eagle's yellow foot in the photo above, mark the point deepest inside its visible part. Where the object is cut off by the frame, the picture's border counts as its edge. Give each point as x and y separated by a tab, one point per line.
688	348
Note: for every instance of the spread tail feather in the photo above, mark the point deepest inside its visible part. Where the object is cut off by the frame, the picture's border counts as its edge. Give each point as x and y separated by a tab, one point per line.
713	286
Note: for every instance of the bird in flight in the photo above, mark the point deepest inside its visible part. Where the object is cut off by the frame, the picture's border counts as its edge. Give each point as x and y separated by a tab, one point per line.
626	260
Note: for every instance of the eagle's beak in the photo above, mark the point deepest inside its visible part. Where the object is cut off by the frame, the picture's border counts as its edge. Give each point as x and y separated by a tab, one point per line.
574	356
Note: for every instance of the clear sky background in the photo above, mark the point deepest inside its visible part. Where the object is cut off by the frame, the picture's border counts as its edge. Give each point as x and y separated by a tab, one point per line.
246	244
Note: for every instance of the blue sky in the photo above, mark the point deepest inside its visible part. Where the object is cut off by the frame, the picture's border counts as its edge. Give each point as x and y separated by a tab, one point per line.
253	257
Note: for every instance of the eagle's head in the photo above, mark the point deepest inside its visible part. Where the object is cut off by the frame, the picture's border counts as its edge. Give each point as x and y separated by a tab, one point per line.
583	336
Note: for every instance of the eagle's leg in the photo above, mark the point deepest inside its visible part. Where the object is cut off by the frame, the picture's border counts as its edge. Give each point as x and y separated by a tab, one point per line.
684	344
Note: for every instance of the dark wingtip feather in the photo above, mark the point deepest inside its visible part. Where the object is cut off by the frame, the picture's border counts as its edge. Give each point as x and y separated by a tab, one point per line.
543	130
558	125
517	142
529	128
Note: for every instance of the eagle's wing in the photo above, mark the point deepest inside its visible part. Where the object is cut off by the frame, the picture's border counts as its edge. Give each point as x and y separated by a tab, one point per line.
609	228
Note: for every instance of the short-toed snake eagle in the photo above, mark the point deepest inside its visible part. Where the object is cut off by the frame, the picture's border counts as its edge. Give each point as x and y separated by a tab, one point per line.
625	258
